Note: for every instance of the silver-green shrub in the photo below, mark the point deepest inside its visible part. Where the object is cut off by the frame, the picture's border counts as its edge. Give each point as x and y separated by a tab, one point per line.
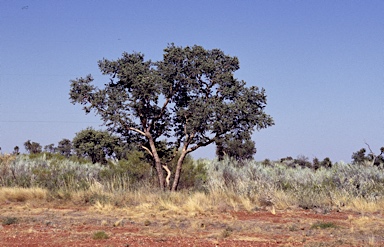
52	173
310	187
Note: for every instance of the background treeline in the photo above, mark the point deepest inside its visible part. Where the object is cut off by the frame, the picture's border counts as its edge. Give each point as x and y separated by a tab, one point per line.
100	146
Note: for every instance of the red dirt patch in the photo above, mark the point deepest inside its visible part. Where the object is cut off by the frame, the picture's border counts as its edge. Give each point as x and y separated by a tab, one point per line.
75	226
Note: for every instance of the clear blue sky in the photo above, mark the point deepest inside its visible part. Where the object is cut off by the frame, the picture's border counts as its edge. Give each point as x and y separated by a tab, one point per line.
321	63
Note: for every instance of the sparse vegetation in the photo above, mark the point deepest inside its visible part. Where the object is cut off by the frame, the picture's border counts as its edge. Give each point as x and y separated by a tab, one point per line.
211	188
10	221
100	235
323	225
248	185
227	232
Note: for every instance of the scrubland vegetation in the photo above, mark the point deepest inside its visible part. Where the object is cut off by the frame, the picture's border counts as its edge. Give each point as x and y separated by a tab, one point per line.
206	185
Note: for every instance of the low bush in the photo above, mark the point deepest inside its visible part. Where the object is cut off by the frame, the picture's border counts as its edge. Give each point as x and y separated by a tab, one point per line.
10	221
100	235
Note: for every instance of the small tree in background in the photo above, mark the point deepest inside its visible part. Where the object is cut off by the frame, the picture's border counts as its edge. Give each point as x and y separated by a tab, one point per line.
16	150
32	147
50	148
240	148
327	163
359	156
302	161
64	147
95	144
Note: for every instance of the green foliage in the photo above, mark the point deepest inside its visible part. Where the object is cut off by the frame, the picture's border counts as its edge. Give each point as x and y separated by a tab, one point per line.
327	163
16	150
240	148
134	169
64	147
323	225
266	162
32	147
360	157
96	145
303	162
50	148
194	174
100	235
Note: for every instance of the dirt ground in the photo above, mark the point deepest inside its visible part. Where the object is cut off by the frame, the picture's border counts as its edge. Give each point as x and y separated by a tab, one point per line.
33	224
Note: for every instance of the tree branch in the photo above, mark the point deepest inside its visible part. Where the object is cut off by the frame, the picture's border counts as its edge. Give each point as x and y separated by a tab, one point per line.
137	130
372	153
147	149
200	144
167	179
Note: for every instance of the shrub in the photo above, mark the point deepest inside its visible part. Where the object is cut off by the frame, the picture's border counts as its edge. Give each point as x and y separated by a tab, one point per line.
100	235
134	171
323	225
51	173
10	221
309	188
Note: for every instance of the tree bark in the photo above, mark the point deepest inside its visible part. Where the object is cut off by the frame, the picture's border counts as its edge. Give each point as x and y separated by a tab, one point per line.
157	160
178	169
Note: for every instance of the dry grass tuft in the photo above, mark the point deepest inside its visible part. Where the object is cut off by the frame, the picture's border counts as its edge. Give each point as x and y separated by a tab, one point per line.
22	194
197	203
363	206
103	207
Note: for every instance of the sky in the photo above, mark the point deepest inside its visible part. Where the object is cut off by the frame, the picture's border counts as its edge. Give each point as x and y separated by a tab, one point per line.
320	62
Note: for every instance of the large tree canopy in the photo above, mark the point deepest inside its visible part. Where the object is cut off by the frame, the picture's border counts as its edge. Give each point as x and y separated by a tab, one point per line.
190	98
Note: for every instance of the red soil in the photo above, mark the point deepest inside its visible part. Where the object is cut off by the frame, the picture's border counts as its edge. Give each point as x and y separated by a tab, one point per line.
75	226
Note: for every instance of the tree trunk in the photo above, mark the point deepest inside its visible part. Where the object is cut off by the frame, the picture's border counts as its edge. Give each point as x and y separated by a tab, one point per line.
157	160
178	169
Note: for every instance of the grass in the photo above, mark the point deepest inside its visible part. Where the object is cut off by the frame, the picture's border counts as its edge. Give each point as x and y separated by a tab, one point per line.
15	194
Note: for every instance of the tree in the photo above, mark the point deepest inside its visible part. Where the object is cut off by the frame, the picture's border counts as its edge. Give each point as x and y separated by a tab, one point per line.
359	156
50	148
64	147
191	97
95	144
375	159
327	163
239	148
16	150
32	147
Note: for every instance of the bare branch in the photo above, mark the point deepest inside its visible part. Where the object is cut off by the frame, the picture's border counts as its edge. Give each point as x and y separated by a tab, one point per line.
369	147
167	179
137	130
147	149
372	153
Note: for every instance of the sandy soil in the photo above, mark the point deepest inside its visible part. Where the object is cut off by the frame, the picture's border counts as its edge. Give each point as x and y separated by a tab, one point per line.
61	225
